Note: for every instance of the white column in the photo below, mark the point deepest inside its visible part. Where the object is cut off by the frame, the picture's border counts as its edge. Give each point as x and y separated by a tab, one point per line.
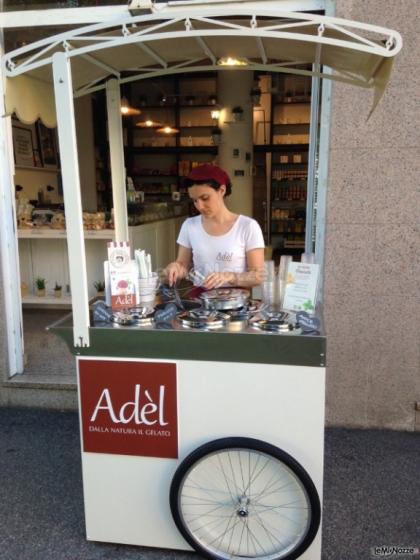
66	127
233	88
116	149
9	258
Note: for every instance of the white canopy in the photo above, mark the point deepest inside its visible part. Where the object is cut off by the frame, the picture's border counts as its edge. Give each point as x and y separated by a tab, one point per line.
169	40
172	40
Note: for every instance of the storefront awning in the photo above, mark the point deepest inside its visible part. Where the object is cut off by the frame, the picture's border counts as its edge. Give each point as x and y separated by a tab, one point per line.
171	41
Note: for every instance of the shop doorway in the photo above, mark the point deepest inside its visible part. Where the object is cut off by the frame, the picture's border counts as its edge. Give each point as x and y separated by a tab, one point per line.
321	48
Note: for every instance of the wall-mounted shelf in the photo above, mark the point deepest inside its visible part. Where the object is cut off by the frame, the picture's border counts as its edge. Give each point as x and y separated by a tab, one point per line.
44	169
282	164
305	124
280	147
291	103
174	150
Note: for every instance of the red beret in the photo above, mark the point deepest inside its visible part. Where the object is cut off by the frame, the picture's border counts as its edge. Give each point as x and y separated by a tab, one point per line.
207	172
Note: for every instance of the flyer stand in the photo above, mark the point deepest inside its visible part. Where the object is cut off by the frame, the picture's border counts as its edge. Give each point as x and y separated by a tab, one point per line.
210	440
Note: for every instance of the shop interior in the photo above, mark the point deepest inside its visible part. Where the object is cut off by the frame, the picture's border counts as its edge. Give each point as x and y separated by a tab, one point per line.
170	124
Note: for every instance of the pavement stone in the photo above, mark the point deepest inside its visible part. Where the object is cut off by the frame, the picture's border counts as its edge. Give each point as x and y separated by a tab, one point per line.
371	492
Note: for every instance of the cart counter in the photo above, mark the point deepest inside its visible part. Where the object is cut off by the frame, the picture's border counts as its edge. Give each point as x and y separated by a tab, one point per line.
203	440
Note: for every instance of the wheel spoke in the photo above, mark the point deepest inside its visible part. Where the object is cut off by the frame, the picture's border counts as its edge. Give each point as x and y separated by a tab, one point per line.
270	535
226	531
240	466
255	540
233	474
254	478
277	490
226	479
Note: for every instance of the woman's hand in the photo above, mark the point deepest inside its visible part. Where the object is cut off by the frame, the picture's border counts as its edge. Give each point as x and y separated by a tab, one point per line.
218	279
179	268
173	272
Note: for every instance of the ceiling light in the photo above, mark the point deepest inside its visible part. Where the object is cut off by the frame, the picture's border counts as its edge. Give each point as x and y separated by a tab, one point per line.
232	61
148	123
168	130
128	111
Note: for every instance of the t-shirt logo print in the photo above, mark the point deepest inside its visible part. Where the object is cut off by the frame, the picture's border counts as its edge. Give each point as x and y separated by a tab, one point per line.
225	257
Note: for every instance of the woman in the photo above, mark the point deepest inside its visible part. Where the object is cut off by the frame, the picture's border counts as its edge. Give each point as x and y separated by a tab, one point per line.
225	249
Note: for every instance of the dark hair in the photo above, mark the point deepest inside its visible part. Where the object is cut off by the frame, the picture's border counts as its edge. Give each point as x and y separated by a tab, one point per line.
187	183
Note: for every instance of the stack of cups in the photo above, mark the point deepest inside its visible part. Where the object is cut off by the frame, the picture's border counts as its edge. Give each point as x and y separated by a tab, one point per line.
268	295
308	258
147	290
285	260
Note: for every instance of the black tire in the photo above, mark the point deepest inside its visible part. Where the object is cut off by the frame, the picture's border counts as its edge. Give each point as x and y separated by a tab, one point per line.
237	508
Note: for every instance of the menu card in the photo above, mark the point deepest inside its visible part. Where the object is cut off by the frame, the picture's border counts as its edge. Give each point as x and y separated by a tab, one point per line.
122	276
301	287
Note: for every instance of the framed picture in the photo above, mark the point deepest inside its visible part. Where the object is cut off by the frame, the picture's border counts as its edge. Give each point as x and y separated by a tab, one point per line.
47	145
23	146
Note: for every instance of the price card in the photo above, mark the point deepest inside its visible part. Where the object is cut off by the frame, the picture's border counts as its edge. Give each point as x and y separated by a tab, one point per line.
301	287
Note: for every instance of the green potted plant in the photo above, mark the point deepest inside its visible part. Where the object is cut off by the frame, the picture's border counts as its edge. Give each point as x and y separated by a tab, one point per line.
40	284
216	135
99	287
237	113
57	290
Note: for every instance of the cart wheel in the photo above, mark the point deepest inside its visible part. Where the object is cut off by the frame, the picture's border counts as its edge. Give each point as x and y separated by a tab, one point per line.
242	497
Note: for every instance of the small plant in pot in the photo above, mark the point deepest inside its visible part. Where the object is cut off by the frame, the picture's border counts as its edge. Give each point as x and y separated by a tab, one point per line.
99	287
57	290
237	113
40	284
216	135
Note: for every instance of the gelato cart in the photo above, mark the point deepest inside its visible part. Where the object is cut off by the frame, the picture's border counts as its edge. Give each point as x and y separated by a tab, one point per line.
202	438
207	434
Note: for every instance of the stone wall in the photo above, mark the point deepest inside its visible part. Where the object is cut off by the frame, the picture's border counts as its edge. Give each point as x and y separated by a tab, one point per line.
372	248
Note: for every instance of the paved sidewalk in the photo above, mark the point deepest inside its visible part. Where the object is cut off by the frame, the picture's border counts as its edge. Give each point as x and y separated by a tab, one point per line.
371	498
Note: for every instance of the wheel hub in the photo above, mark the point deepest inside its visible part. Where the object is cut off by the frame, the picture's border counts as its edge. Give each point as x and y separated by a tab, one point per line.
242	510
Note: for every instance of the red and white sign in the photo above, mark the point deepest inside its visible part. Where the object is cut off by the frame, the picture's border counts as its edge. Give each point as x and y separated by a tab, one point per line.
129	408
122	276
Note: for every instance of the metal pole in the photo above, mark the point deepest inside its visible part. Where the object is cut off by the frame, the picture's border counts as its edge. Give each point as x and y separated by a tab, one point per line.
116	148
63	91
313	148
9	259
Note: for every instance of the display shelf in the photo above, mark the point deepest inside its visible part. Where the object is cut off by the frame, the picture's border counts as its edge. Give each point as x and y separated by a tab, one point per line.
305	124
277	203
280	147
169	106
174	149
152	176
193	126
278	164
62	234
276	103
44	169
285	233
186	109
290	122
46	300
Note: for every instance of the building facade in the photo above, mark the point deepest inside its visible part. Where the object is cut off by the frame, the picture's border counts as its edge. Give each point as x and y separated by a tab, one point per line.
371	294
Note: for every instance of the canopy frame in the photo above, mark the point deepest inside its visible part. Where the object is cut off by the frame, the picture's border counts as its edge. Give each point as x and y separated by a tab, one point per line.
198	24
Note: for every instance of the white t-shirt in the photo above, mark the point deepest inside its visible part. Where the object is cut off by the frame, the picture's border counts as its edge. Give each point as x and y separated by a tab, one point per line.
220	253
